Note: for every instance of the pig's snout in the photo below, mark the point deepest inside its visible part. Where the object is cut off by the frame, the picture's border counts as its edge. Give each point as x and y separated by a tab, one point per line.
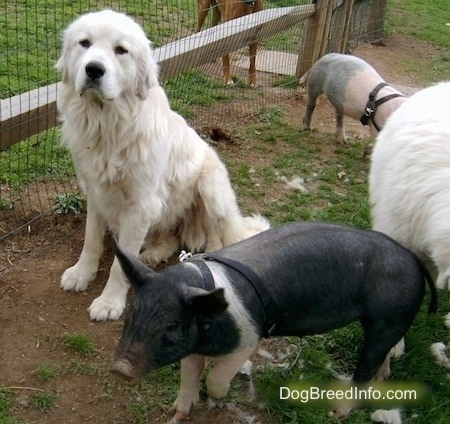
124	372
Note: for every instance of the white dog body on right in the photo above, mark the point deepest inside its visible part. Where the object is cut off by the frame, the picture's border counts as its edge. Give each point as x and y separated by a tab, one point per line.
410	179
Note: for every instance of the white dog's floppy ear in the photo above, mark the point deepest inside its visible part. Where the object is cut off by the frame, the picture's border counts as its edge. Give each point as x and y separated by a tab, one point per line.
61	66
148	72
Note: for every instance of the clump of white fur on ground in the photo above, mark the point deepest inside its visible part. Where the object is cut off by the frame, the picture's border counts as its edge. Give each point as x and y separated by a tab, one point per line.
387	416
438	352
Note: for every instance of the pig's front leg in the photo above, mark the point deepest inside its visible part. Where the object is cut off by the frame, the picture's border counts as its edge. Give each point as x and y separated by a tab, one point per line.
191	370
225	368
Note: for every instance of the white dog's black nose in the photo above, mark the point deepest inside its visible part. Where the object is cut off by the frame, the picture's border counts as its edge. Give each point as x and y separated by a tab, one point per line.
95	70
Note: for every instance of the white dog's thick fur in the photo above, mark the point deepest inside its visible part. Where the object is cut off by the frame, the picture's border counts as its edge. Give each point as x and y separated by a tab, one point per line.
410	178
147	175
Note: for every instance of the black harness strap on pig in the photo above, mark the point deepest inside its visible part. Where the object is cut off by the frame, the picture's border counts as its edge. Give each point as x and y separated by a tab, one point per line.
208	279
263	294
372	104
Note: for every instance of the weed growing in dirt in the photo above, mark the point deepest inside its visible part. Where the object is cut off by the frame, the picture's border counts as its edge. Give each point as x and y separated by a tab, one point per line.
78	343
79	367
46	372
68	203
5	205
43	401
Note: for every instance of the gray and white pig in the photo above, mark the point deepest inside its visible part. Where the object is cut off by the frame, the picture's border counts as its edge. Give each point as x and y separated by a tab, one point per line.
293	280
347	81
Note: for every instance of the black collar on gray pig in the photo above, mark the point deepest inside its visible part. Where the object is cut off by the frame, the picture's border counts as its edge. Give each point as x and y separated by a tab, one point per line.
264	297
372	104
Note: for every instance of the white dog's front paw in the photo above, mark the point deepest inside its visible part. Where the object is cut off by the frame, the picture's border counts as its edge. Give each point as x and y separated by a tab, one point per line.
77	277
107	307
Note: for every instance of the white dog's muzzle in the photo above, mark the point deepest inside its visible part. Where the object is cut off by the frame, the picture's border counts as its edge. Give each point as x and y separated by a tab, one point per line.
96	75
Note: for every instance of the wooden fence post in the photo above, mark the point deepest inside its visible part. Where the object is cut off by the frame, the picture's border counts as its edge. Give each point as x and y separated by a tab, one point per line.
340	27
348	19
376	21
316	36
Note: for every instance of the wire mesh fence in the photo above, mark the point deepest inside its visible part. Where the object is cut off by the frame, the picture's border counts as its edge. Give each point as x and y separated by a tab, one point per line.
37	180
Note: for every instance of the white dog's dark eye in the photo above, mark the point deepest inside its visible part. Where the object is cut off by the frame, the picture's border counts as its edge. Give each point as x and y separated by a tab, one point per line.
85	43
120	50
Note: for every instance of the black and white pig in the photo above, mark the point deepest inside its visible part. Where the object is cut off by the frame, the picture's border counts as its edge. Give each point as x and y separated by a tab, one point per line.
354	88
293	280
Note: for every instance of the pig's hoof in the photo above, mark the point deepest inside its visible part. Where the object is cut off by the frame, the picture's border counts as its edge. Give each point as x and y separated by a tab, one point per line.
179	417
213	403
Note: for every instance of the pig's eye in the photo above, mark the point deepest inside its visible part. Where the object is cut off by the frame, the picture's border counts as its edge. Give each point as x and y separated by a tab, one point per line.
172	326
172	335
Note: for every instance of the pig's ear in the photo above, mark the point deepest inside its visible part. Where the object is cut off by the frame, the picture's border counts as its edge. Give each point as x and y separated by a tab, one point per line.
204	302
134	269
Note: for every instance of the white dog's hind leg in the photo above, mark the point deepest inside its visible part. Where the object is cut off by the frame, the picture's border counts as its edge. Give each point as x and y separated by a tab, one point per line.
84	271
224	222
159	249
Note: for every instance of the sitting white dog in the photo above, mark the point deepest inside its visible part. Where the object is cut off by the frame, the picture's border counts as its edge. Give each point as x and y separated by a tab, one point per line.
147	175
410	179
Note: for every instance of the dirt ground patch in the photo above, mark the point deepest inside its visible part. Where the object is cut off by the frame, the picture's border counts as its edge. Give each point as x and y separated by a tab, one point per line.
35	312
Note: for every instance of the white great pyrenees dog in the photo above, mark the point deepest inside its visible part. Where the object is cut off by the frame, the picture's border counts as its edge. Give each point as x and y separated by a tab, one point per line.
147	175
409	181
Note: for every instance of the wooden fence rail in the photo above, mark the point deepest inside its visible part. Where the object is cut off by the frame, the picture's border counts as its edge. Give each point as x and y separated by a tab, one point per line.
30	113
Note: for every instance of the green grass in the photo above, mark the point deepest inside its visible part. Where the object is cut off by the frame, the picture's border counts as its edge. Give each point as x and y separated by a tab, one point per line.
193	88
422	19
43	401
46	372
38	158
336	179
82	367
5	402
426	21
30	34
78	343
